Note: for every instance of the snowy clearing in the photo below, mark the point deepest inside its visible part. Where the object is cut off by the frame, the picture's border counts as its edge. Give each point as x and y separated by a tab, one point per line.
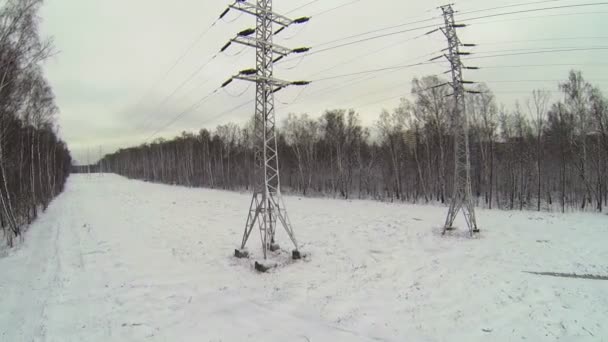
120	260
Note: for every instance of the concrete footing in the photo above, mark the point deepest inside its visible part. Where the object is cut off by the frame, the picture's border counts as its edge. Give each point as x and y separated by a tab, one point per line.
241	253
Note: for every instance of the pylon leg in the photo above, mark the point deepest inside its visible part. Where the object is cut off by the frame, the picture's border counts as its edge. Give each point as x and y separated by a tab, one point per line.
281	214
251	219
266	213
264	226
455	205
469	215
285	221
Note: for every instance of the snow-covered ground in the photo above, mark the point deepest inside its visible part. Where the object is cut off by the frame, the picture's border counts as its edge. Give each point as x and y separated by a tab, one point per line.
120	260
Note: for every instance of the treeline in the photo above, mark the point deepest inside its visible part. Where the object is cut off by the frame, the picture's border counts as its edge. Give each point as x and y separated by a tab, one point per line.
539	155
34	162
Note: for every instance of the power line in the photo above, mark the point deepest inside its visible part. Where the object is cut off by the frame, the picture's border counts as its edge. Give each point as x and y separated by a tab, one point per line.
535	10
333	88
177	61
297	32
197	105
295	99
314	52
379	101
375	31
394	86
239	94
209	119
548	50
318	14
300	7
334	8
535	52
509	6
554	48
338	86
186	81
233	20
237	53
539	17
402	94
372	52
396	67
534	81
184	112
541	65
181	85
437	17
540	40
366	77
300	59
426	20
520	91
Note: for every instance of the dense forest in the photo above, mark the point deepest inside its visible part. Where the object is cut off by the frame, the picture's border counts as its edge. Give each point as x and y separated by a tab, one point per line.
537	155
34	162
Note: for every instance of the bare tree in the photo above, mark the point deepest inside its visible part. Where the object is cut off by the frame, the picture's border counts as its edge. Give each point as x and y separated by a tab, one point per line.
432	108
34	163
537	107
599	113
576	91
302	134
520	155
483	112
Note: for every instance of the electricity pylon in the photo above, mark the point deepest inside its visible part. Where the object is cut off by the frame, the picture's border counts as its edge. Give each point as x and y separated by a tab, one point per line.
462	197
267	207
88	162
100	170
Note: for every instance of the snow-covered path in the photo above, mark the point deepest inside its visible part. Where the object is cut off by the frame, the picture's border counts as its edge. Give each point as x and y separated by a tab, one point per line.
120	260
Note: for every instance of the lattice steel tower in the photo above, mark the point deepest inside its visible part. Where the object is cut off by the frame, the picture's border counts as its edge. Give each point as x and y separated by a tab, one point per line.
462	197
267	208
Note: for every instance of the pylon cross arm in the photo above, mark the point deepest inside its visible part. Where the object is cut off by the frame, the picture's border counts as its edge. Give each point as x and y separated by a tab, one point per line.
254	9
270	80
254	42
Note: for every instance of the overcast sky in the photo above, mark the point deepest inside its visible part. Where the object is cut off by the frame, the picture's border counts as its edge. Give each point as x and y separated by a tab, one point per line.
113	53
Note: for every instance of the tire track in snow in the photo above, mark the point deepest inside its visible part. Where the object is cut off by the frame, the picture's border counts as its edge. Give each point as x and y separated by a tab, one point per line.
32	273
54	284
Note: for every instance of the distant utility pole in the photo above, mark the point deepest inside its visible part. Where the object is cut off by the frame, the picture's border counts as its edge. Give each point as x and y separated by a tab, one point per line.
462	197
267	204
88	162
100	166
